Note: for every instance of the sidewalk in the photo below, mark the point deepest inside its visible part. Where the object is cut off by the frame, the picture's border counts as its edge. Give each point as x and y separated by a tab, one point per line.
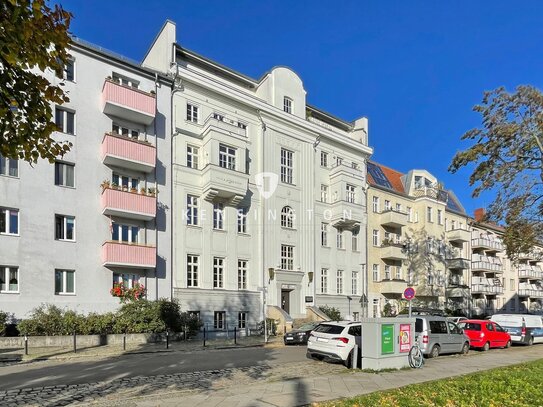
307	390
107	351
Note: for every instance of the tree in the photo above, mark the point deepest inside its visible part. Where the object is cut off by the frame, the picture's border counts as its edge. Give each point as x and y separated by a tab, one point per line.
507	155
33	37
331	312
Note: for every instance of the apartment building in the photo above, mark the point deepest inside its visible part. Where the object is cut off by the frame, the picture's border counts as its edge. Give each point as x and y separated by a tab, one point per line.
99	214
418	236
268	193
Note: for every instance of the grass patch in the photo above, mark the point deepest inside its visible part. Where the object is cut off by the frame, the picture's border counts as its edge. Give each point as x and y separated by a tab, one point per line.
518	385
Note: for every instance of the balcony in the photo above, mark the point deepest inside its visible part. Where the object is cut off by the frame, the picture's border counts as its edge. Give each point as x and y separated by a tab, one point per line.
126	152
392	251
459	235
481	243
128	103
225	126
118	254
457	292
458	263
395	287
486	289
132	205
526	256
393	218
346	215
486	267
531	273
219	182
348	172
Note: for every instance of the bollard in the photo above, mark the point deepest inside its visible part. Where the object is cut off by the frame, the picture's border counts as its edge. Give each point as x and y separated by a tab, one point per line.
124	341
235	336
167	339
26	345
75	343
354	359
204	336
185	334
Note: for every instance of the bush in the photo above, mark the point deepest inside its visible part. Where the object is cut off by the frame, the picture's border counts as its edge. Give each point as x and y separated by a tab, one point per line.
3	322
388	310
51	320
333	313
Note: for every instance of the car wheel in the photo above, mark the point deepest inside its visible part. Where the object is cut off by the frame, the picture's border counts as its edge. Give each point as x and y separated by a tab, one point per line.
508	344
530	341
486	347
465	348
434	353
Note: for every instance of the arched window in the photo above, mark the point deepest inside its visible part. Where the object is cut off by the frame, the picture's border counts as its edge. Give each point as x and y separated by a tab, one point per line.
287	217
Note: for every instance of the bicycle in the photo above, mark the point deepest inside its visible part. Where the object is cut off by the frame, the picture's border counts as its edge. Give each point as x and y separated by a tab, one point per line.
415	357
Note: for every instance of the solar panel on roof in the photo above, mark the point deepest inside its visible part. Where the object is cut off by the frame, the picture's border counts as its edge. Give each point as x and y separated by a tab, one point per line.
378	176
453	205
442	196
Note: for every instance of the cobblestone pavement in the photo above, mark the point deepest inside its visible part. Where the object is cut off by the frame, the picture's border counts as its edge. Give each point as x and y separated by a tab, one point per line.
115	391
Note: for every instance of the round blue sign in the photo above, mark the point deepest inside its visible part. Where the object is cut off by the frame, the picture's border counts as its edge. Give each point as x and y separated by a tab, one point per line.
409	293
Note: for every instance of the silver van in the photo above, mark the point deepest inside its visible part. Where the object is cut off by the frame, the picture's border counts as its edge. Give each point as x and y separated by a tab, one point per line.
437	335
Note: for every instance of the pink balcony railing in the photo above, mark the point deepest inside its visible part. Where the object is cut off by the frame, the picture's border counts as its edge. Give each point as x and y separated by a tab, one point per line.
126	204
127	102
118	254
125	152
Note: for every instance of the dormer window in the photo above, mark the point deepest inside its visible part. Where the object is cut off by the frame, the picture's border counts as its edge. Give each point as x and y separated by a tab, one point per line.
287	104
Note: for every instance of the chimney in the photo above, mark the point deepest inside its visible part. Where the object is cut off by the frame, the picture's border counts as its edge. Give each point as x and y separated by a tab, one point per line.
479	214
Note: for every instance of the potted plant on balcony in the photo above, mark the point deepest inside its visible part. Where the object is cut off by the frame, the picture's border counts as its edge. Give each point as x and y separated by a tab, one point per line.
105	185
114	185
133	190
137	292
152	191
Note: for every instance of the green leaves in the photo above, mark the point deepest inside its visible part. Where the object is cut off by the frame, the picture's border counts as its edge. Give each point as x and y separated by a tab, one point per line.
507	155
33	36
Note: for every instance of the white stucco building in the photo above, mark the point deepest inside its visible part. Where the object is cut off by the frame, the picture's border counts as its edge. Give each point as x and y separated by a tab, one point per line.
256	148
66	231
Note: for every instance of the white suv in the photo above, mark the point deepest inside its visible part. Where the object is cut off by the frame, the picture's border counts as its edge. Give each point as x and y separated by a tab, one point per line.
334	341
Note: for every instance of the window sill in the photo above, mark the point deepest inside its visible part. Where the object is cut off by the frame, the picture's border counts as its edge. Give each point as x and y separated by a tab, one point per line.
66	240
10	292
219	230
10	234
66	294
244	234
194	227
289	229
9	176
341	248
325	247
65	186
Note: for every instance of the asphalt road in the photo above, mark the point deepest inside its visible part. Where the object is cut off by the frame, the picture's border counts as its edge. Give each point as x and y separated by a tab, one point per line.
51	373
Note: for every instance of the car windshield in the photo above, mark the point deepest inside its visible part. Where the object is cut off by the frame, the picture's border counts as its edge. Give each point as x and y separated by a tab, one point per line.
329	329
307	327
469	326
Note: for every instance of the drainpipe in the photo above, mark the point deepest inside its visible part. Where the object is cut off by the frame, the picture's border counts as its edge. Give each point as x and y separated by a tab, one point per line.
156	183
263	205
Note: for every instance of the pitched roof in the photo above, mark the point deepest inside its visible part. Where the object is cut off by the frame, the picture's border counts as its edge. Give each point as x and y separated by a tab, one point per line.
392	176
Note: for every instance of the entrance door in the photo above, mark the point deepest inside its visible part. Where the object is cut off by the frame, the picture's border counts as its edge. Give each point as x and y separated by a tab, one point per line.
285	300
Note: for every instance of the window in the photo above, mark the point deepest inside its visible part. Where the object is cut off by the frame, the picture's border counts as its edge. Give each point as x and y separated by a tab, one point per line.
339	161
218	116
512	284
339	282
439	217
375	273
192	270
324	281
287	257
127	280
192	210
339	239
9	167
64	282
194	314
242	220
438	327
192	157
324	234
388	205
125	131
324	193
124	80
354	165
398	207
286	166
287	104
354	283
64	174
242	319
398	275
429	214
192	113
242	125
354	241
375	237
64	227
9	279
124	233
387	272
218	216
287	217
219	320
375	202
69	70
227	157
125	182
409	214
65	120
324	159
218	272
430	279
350	193
356	316
242	274
9	221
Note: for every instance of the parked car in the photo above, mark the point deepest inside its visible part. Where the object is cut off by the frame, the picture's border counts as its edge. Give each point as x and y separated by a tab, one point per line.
334	341
485	334
437	335
300	335
457	320
524	329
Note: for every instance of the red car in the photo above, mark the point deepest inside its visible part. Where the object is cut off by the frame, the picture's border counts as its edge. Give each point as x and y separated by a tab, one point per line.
485	334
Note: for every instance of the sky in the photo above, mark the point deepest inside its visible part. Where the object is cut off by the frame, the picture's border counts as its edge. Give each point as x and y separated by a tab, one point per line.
414	68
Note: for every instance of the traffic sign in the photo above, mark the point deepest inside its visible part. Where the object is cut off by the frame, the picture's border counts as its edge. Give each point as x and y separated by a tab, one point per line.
409	293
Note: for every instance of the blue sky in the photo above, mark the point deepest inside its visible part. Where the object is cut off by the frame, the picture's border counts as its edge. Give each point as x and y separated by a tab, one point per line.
414	68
